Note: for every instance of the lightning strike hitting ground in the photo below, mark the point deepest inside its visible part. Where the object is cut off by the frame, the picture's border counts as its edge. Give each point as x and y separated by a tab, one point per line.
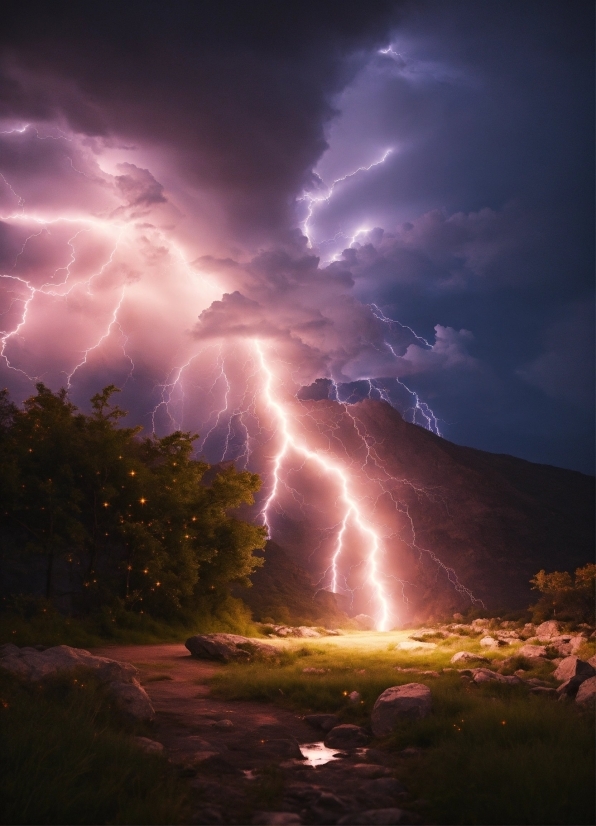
291	442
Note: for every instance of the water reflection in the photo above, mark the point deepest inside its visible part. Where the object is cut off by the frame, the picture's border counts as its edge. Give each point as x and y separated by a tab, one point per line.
317	754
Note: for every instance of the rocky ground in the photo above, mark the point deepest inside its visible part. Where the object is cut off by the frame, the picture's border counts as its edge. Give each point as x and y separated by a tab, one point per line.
243	759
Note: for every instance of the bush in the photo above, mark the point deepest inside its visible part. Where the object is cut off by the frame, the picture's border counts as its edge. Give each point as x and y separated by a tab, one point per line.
565	598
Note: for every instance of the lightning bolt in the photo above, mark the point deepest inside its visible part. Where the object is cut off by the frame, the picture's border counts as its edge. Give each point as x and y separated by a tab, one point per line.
352	508
312	201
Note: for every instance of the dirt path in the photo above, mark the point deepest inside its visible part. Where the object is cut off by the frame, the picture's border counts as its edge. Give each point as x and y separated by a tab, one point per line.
220	745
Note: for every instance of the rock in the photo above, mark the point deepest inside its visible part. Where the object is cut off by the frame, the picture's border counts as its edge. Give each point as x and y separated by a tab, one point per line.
411	701
364	622
531	651
226	647
354	697
315	670
467	656
412	645
548	629
34	665
276	819
574	667
370	770
529	630
570	687
223	724
543	691
479	624
377	817
150	746
283	748
346	736
458	617
489	642
305	631
322	721
388	786
132	700
592	661
120	678
484	675
586	692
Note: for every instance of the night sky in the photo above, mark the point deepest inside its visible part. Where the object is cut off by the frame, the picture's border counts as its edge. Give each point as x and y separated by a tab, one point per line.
393	197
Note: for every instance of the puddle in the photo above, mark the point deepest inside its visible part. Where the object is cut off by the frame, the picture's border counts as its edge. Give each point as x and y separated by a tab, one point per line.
317	754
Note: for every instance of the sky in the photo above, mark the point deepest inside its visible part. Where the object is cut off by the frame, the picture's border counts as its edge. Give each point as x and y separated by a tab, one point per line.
395	199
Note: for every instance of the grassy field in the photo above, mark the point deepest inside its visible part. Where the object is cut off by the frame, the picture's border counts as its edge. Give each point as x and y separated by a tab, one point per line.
490	754
65	757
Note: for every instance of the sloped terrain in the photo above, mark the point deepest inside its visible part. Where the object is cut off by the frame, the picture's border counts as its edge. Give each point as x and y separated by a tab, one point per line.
453	516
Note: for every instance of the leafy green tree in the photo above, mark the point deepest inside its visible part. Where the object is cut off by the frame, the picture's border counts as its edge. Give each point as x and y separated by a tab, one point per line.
132	518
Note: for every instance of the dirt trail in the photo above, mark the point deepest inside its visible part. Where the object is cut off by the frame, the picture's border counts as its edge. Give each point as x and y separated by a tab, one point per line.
218	745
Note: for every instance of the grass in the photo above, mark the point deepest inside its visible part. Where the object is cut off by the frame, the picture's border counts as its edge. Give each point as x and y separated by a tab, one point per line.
35	622
491	754
65	757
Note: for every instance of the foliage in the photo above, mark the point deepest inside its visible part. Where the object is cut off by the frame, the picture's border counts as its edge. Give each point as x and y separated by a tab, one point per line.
65	758
565	598
119	520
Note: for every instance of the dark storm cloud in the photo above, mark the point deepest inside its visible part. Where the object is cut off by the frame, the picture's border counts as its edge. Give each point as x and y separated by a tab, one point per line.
238	92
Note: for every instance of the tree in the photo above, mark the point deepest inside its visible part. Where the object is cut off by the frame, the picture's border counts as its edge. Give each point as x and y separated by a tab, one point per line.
564	597
129	519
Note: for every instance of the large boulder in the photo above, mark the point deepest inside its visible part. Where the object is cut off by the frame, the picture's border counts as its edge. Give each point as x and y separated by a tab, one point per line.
346	736
132	700
226	647
548	629
34	665
586	693
572	667
410	701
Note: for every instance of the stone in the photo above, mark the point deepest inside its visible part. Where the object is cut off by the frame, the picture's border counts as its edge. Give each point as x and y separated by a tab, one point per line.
346	736
592	661
120	678
410	701
226	647
388	786
354	696
413	645
458	617
364	622
543	691
586	692
34	665
570	687
315	670
532	651
467	656
377	817
283	748
276	819
489	642
548	629
484	675
150	746
305	631
370	770
479	624
574	667
322	721
132	700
